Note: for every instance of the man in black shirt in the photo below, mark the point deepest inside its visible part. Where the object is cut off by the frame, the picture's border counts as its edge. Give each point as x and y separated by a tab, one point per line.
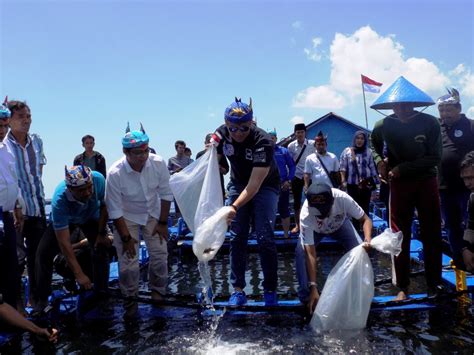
457	133
467	174
90	157
253	194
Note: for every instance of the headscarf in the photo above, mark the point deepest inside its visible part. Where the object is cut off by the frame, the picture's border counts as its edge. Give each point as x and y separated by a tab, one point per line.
364	147
77	175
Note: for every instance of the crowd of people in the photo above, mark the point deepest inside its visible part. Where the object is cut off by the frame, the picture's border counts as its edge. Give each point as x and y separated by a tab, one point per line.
427	163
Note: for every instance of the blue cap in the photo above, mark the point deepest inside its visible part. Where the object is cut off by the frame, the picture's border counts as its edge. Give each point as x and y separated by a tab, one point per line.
134	139
402	91
239	112
4	112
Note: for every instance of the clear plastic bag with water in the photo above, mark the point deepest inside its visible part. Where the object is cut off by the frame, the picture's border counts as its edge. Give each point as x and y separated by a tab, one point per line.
197	190
347	295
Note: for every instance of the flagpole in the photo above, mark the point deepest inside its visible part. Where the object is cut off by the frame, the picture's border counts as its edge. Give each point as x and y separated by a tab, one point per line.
365	106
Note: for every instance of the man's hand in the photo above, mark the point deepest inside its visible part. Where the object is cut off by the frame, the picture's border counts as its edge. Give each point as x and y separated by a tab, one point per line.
18	219
394	173
313	299
382	168
468	257
285	186
232	214
162	231
84	281
128	248
103	240
366	245
51	335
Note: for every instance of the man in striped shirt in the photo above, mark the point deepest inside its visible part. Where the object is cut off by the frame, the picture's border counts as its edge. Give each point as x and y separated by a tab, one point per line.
29	161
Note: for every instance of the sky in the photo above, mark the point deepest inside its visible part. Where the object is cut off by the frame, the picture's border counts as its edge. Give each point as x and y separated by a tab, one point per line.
88	67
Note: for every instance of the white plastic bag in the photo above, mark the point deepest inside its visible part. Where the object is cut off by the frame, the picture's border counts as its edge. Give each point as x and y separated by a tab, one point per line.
210	235
347	295
197	190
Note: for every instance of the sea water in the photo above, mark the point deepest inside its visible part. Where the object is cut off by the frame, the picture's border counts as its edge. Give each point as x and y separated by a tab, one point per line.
170	330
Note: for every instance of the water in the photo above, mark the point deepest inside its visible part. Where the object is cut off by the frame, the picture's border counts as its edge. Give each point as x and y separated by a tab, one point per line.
445	329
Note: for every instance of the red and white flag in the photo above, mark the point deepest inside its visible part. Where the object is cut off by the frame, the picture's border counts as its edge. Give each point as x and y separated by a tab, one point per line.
370	85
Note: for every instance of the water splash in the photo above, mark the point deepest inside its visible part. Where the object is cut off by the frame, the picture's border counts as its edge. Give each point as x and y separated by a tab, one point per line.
207	296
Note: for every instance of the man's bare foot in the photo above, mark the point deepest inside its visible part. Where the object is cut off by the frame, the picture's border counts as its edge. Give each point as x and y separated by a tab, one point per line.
401	296
295	230
156	296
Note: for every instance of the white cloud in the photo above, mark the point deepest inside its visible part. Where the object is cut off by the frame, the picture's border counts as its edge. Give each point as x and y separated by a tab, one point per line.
382	59
464	81
460	68
314	53
297	25
323	97
470	112
467	85
297	119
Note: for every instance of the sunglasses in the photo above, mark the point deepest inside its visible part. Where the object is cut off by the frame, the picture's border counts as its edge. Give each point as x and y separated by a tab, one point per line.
138	153
234	129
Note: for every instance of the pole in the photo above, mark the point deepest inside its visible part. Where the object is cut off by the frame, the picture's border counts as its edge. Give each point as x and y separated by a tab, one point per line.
365	106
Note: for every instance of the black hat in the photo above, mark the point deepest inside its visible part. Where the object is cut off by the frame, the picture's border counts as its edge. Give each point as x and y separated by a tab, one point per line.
320	199
300	127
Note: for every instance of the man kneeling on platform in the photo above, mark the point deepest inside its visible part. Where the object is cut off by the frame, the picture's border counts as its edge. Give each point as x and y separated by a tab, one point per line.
326	212
78	202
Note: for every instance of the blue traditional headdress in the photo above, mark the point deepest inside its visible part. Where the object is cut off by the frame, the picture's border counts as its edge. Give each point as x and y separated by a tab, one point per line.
77	175
239	112
134	139
4	111
272	132
402	91
451	98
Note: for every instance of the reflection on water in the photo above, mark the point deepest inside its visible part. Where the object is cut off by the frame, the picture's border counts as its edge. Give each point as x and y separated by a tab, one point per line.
169	330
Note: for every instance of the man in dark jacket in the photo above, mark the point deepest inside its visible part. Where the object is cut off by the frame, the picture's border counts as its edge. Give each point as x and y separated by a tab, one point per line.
457	132
90	157
413	141
467	174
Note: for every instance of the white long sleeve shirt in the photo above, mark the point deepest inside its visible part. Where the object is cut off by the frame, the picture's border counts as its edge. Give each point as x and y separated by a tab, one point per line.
295	149
137	195
9	191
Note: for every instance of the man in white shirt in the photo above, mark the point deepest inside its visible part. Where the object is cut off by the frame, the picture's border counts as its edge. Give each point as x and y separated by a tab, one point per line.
319	165
10	197
299	149
326	212
138	199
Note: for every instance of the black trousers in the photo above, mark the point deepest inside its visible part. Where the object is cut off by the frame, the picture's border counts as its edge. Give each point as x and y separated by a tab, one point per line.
49	248
362	197
9	274
33	230
297	185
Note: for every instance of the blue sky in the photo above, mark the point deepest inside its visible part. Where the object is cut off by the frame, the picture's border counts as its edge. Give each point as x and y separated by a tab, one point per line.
88	67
